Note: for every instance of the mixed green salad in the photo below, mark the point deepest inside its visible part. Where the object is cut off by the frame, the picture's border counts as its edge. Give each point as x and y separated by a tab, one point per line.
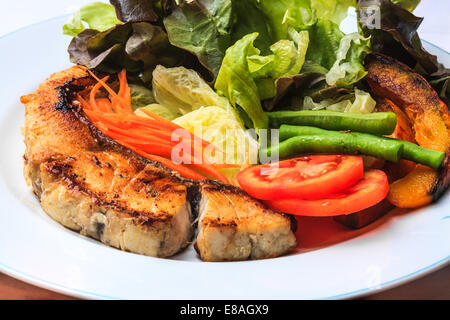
259	54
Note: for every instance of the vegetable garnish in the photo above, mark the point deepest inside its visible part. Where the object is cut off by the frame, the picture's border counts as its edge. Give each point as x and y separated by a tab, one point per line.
97	15
305	177
381	123
369	191
297	140
181	169
149	136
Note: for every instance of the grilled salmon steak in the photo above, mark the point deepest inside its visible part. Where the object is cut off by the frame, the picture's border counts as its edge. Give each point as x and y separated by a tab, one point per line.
91	184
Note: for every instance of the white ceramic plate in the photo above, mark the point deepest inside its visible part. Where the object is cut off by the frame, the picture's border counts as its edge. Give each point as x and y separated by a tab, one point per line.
34	248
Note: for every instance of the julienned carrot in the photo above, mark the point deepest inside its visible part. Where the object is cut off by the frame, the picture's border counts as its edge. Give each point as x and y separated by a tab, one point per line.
226	165
146	139
129	122
93	93
124	89
151	144
212	171
164	121
104	105
84	103
111	91
174	126
149	136
183	170
146	136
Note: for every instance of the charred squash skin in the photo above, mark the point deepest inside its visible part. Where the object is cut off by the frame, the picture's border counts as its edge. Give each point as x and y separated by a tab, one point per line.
403	131
430	122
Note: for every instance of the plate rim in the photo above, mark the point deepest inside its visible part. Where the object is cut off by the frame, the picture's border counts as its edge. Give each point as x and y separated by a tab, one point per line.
42	283
49	285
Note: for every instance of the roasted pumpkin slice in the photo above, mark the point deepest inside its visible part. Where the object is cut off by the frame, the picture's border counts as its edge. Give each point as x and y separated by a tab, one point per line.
403	131
429	120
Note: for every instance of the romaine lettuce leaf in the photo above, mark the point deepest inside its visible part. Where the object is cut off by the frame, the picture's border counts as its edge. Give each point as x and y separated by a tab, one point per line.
163	111
235	80
325	38
310	82
248	18
97	15
184	90
348	67
302	14
289	56
261	66
260	72
280	14
286	59
223	129
334	10
208	27
361	102
140	96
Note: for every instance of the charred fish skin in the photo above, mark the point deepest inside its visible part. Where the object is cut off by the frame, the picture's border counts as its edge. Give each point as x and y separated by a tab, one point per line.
92	185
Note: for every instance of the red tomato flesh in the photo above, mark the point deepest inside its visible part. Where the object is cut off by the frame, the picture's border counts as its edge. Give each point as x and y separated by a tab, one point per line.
370	190
309	177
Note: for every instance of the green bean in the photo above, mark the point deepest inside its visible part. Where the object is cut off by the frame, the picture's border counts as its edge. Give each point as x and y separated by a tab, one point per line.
413	152
287	131
410	151
379	123
341	143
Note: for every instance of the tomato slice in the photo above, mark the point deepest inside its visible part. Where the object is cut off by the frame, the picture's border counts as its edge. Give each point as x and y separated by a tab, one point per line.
309	177
369	191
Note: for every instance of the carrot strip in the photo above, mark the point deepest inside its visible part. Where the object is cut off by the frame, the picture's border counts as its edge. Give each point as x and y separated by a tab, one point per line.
181	169
93	93
225	165
209	169
108	88
104	105
145	136
163	121
150	136
124	89
84	103
132	140
141	137
175	126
